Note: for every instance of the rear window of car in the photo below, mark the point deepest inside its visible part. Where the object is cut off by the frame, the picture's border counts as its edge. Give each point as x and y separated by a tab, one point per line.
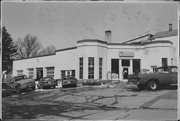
18	78
46	79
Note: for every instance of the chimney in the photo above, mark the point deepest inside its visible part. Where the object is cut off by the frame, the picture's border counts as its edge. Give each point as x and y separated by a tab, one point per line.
170	27
108	36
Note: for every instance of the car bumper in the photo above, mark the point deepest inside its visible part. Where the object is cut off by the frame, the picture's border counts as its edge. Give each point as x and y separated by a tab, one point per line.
48	85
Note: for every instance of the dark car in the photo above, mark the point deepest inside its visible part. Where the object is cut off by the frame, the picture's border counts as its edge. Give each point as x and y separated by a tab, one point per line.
21	83
6	90
47	82
69	81
164	76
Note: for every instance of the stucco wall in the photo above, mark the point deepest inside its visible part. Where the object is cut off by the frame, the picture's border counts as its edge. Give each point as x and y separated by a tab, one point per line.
24	64
66	60
96	50
175	41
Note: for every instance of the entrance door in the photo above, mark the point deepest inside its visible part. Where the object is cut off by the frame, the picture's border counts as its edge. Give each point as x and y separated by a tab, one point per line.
125	73
39	73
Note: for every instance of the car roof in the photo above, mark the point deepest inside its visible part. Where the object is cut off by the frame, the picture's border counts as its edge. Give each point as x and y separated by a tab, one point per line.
167	67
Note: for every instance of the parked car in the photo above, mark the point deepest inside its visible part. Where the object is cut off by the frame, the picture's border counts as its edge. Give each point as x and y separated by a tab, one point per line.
69	81
164	76
6	90
21	83
47	82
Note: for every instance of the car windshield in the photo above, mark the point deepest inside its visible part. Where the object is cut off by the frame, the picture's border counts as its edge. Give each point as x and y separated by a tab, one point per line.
18	78
162	70
166	69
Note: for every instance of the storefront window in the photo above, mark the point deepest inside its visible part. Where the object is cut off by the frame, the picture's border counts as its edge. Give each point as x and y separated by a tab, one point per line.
115	66
136	66
100	68
80	68
91	68
125	62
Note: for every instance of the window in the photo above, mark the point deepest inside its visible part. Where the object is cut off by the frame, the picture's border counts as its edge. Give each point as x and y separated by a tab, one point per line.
63	74
73	73
164	62
19	72
100	67
172	61
31	73
115	66
91	68
80	68
125	62
136	66
50	71
154	68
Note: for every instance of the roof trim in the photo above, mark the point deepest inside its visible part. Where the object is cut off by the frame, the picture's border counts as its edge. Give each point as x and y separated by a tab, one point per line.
136	38
165	34
159	41
34	57
91	40
66	49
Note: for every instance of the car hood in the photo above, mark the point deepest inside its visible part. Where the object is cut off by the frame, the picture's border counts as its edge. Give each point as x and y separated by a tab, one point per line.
23	81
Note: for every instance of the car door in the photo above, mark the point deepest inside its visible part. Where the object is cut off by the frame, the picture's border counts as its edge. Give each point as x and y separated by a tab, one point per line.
164	77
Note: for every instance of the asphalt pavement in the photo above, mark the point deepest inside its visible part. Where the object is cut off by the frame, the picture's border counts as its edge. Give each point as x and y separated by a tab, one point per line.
104	102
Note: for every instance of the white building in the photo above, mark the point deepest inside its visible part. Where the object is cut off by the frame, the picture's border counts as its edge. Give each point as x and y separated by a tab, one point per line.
97	59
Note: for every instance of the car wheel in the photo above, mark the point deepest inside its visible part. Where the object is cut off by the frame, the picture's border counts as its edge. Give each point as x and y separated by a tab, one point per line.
34	87
141	87
18	90
152	85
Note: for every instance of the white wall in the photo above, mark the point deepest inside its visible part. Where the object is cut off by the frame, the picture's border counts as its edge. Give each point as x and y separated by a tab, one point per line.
173	39
150	54
66	60
24	64
96	50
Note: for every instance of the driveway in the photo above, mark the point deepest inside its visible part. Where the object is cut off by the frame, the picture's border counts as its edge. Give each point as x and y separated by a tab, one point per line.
108	102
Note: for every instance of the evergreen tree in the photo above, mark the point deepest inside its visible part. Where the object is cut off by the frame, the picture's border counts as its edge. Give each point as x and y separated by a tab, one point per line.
8	51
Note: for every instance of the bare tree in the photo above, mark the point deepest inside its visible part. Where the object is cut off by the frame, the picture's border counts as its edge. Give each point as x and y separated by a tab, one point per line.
30	46
48	50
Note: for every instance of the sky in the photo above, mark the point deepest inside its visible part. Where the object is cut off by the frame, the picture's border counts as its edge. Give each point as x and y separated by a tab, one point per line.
63	24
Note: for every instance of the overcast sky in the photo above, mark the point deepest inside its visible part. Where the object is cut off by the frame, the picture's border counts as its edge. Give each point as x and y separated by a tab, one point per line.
62	24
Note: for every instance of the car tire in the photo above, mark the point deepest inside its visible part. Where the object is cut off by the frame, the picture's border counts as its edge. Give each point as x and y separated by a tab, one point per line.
18	90
152	85
141	87
34	87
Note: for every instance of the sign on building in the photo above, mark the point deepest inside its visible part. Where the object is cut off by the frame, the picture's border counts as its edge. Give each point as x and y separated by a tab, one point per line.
126	54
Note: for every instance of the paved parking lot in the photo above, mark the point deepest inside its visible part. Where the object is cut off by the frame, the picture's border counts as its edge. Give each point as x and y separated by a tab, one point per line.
112	102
